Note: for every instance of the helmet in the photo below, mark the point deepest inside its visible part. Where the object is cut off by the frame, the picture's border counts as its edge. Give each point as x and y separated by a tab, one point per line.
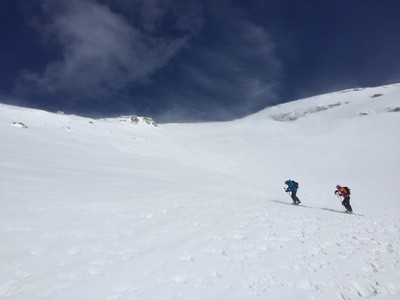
287	181
338	186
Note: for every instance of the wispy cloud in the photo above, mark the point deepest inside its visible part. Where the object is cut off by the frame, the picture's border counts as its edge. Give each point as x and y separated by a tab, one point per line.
102	51
235	73
204	59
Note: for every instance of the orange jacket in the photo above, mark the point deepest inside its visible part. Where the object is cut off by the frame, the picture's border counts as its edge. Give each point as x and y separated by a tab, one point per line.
342	192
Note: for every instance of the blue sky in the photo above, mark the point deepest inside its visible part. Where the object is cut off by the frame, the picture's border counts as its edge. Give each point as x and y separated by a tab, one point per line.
191	60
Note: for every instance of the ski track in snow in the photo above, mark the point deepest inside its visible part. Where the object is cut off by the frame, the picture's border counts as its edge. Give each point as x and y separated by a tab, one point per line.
108	210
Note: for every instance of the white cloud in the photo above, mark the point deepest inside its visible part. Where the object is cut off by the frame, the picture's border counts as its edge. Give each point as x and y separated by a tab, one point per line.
102	51
240	69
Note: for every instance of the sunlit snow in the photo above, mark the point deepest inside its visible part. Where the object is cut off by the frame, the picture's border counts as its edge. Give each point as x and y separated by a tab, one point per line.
109	209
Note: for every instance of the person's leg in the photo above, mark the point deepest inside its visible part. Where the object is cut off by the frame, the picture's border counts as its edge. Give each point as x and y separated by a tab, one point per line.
294	197
348	206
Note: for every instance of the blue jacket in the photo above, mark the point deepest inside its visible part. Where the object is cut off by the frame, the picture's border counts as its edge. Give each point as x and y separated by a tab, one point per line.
291	186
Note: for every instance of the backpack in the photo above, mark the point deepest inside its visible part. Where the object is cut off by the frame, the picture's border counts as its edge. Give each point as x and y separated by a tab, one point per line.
296	185
347	190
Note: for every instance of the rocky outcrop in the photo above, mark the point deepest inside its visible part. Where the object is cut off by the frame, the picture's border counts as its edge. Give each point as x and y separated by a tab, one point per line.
136	120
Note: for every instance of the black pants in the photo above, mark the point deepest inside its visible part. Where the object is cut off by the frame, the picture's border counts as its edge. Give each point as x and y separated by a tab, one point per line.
346	203
294	197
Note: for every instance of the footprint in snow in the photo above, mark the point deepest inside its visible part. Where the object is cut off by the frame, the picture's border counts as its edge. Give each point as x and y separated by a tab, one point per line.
74	250
38	251
181	279
239	236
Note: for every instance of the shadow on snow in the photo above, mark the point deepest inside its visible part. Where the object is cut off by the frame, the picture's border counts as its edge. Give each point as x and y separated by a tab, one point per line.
321	208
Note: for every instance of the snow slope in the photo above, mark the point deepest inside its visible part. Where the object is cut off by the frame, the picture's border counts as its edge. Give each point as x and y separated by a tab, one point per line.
106	209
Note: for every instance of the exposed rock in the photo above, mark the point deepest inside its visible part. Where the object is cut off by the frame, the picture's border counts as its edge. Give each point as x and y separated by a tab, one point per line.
150	121
136	119
394	109
20	124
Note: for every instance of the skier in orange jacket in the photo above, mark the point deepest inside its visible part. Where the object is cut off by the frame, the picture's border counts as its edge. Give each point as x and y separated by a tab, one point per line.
344	191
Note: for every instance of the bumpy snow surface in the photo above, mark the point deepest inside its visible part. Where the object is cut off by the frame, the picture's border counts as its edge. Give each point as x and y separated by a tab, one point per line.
108	209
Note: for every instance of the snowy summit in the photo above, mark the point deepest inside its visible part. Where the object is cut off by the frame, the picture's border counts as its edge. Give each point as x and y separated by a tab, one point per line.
117	209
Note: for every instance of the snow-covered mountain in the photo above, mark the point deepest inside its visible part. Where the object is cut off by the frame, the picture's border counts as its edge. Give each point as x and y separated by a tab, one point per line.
119	209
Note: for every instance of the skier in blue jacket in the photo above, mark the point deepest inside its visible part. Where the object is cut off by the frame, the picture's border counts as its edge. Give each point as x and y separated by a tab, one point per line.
292	187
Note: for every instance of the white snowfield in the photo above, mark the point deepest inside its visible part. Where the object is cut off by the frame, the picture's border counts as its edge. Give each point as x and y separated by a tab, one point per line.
108	209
